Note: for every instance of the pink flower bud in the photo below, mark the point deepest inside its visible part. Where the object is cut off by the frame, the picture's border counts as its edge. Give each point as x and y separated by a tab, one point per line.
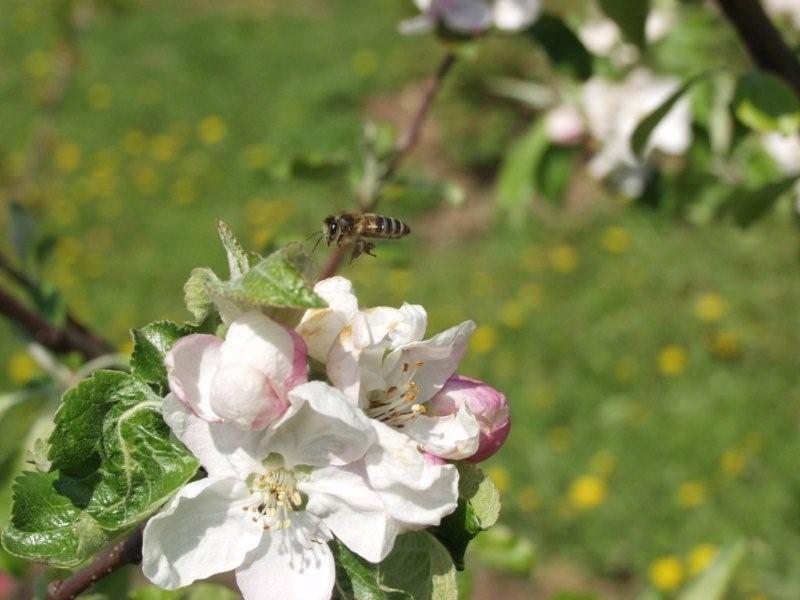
487	404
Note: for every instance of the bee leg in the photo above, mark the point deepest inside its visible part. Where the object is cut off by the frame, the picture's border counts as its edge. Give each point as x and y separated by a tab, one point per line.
368	248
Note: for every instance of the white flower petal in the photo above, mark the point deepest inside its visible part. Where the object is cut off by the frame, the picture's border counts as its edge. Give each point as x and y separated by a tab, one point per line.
354	513
440	356
453	436
320	327
513	15
286	566
223	449
416	25
464	16
328	430
191	364
202	531
417	492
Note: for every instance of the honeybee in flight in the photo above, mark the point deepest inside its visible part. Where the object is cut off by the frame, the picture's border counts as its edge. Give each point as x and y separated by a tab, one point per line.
352	228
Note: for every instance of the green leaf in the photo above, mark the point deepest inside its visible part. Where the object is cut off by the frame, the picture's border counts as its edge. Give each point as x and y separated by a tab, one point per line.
748	205
197	292
714	581
646	126
18	412
21	229
501	549
273	281
515	182
420	566
555	171
115	451
478	509
355	577
237	257
562	45
150	346
630	16
764	102
47	527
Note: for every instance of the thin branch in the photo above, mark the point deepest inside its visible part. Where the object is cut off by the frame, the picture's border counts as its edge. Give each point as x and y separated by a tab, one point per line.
764	42
127	551
405	146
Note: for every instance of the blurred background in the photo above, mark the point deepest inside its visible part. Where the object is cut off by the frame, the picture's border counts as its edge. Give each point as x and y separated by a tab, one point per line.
649	349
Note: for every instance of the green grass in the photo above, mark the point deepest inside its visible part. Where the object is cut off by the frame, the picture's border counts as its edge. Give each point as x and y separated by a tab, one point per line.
576	352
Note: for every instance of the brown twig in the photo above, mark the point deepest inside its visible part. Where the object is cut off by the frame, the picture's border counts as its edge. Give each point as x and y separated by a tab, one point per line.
764	43
405	145
127	551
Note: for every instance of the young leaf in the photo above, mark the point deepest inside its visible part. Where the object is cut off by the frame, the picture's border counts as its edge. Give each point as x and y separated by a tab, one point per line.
420	566
355	577
47	527
196	292
749	205
630	16
478	509
765	103
562	45
150	345
515	182
237	257
646	126
109	432
714	582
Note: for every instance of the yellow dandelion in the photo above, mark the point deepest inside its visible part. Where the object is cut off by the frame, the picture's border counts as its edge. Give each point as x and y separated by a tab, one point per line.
672	360
135	142
365	62
99	96
500	478
733	462
530	295
64	211
126	347
67	251
666	573
484	339
616	239
558	438
563	258
21	368
512	314
603	463
164	148
710	307
692	494
212	130
147	180
725	344
700	558
587	492
67	156
528	499
38	64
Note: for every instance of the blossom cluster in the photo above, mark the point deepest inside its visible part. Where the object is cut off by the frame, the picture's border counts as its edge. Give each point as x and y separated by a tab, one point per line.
292	460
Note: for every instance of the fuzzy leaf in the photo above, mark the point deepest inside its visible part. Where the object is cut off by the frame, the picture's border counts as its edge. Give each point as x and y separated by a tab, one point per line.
47	527
150	345
630	16
237	257
197	293
420	566
110	436
355	577
478	509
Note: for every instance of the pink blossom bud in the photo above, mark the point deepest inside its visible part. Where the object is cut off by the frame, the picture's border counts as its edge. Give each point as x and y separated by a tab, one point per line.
487	405
565	125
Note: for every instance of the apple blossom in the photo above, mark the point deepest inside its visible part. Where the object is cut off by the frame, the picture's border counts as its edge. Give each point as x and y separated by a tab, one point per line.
272	500
785	8
244	378
487	404
784	150
379	359
472	17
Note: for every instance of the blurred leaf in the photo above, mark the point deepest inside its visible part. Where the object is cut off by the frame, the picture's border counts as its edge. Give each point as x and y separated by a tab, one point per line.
646	126
47	527
18	412
555	171
562	45
109	437
764	102
749	205
478	509
21	227
500	548
714	582
237	257
630	16
150	346
515	182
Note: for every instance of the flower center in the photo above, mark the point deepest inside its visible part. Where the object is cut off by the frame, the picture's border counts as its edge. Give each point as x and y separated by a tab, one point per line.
275	497
397	405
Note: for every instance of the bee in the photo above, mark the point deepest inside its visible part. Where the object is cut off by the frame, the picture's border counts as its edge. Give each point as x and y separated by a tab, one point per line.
351	228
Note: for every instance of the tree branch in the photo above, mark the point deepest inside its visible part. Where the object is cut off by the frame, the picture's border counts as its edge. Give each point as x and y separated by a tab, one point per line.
764	42
405	146
127	551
